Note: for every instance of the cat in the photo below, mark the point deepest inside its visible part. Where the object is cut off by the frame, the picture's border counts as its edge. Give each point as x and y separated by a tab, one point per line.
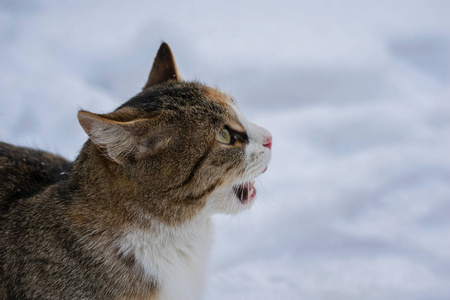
130	217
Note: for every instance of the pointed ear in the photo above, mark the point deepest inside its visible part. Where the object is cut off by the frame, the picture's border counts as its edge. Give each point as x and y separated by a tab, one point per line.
164	67
112	138
121	140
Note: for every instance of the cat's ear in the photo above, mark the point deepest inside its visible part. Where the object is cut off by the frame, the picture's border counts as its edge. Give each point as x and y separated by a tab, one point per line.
121	140
164	67
112	138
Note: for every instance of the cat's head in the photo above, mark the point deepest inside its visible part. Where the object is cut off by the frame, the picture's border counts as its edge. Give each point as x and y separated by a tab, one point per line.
184	146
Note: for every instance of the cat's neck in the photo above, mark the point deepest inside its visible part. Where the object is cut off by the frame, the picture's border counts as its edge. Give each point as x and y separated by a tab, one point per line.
95	173
116	220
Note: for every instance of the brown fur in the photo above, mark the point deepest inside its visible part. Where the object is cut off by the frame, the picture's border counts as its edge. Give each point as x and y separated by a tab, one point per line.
155	156
24	172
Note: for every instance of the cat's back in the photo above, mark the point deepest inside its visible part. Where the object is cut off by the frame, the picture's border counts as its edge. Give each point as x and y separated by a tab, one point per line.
25	172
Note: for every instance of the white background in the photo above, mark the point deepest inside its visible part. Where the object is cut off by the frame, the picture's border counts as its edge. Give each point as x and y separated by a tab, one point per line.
356	201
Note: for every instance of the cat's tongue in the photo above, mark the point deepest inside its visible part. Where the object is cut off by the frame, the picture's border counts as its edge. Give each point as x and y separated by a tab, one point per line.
245	192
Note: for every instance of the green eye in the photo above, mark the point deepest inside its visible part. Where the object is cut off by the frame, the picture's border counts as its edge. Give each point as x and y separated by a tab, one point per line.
224	137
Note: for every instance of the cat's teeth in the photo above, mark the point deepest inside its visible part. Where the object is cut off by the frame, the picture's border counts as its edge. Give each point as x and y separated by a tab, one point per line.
245	191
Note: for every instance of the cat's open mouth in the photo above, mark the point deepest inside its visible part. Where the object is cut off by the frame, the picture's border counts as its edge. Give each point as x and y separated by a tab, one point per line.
245	192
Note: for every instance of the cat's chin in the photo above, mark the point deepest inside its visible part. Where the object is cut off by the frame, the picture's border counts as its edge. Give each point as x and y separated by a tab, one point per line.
245	192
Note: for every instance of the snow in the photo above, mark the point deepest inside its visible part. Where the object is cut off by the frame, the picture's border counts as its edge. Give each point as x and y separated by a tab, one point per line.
356	201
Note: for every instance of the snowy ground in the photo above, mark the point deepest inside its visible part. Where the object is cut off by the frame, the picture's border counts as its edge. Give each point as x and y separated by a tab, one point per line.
356	201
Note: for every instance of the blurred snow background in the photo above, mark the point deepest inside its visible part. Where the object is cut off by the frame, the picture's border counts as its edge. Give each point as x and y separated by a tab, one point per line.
356	201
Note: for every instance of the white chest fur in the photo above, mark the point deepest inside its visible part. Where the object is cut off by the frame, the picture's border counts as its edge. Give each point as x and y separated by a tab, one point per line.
175	256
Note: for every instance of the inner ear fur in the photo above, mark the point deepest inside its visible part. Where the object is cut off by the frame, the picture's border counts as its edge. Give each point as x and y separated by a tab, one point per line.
164	68
120	140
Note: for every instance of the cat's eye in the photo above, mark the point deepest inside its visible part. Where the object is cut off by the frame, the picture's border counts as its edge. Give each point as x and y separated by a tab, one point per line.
224	137
228	136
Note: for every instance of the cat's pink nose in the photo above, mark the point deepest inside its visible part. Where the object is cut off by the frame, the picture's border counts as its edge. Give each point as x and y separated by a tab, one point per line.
268	142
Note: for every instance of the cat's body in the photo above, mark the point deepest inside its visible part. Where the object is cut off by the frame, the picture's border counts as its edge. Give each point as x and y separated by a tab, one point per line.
24	172
129	219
